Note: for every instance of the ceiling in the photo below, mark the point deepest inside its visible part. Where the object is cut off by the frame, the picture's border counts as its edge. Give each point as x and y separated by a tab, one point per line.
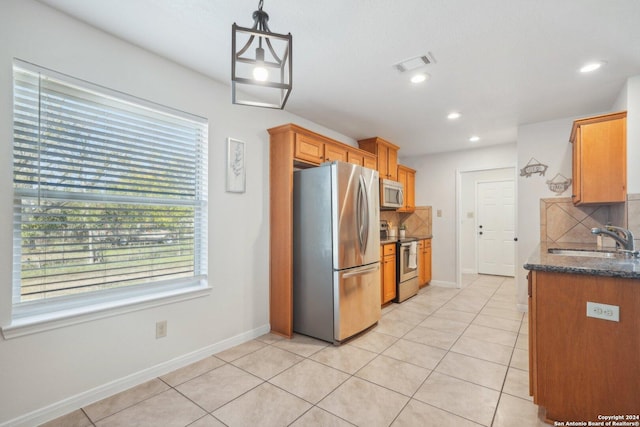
500	63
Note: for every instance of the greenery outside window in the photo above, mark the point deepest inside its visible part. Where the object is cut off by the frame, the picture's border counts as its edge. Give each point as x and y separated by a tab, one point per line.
109	194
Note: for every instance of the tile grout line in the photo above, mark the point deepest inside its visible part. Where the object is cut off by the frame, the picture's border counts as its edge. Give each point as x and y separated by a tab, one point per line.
351	375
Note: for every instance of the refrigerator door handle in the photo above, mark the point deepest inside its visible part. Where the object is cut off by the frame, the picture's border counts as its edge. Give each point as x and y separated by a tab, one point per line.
363	216
359	271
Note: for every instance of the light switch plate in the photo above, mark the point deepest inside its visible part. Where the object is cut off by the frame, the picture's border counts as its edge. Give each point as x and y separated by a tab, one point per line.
603	311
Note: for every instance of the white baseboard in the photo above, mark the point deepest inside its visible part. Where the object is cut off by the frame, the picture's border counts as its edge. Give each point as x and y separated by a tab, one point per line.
523	308
444	284
80	400
469	271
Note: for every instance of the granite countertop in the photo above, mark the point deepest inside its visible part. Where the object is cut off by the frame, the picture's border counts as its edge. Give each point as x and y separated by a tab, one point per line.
542	260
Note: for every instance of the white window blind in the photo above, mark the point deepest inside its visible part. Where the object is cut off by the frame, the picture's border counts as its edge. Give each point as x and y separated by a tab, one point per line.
109	191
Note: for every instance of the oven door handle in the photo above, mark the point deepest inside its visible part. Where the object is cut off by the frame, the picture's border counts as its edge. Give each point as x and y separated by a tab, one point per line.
359	271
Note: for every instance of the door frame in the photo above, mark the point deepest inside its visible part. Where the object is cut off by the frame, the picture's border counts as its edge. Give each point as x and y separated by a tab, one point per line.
459	212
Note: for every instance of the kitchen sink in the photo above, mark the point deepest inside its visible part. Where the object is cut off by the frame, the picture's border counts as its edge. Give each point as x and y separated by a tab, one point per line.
590	253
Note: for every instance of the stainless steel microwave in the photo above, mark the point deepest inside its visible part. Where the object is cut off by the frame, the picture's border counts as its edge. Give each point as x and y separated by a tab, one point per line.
391	194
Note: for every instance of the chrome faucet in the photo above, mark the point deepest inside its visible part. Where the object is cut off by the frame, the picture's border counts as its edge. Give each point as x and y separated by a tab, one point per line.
622	236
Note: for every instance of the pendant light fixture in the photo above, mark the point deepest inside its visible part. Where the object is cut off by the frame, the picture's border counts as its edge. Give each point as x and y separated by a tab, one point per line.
260	64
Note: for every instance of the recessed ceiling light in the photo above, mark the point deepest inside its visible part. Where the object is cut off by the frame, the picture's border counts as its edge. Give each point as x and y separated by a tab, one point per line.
592	66
414	63
419	78
454	115
474	138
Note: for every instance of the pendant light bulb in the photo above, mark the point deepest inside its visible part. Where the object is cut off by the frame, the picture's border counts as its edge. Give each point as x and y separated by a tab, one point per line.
260	73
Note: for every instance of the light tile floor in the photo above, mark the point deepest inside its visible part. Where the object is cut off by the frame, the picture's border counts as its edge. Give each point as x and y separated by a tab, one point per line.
446	357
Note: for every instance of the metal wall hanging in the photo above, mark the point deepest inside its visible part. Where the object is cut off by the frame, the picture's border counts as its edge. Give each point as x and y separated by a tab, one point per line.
261	68
559	183
534	166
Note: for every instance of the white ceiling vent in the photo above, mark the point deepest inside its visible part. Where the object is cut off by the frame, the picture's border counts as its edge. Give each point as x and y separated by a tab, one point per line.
414	63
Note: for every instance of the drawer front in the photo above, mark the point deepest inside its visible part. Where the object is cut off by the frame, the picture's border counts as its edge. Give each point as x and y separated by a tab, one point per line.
389	249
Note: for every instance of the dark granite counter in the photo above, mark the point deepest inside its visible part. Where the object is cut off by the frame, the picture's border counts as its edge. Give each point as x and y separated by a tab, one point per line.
411	236
389	240
542	260
421	236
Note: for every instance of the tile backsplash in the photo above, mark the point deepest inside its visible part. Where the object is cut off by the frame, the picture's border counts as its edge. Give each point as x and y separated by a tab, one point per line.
561	221
633	216
418	222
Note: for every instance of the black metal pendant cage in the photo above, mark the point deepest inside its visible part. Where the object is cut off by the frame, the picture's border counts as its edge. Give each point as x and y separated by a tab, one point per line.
261	68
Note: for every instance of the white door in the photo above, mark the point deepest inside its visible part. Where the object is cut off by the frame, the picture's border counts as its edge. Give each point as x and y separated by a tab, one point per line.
496	227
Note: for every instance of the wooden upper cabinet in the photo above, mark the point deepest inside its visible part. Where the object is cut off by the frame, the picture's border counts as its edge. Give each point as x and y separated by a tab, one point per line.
362	158
600	159
355	158
387	154
334	152
407	177
308	149
370	161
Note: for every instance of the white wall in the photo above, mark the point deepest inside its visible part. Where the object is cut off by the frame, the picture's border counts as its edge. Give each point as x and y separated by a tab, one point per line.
548	142
436	187
633	134
468	214
47	374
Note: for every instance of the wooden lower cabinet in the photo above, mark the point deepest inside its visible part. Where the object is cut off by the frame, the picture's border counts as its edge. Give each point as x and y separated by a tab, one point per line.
424	262
388	272
583	367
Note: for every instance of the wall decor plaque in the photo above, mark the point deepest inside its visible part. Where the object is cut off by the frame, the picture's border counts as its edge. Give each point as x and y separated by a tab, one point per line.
533	166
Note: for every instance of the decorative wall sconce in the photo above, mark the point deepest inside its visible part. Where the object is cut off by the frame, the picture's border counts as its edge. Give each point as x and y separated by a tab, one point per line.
261	68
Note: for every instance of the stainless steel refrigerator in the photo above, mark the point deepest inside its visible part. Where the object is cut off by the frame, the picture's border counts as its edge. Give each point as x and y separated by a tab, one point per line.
336	251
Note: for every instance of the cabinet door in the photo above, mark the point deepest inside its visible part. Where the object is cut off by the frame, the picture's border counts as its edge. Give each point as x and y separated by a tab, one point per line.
370	162
410	192
420	262
389	281
603	162
356	158
402	178
576	183
599	157
392	163
308	150
333	152
427	261
383	165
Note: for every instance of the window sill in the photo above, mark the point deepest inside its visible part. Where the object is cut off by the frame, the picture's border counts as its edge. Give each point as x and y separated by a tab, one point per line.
36	323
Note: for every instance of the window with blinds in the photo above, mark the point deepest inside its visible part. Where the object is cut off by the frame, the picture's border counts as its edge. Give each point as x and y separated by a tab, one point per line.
109	190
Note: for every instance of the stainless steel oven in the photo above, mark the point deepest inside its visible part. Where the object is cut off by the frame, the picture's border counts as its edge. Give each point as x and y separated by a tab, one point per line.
407	269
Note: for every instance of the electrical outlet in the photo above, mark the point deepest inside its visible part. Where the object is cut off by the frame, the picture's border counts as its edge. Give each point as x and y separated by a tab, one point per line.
161	329
439	213
603	311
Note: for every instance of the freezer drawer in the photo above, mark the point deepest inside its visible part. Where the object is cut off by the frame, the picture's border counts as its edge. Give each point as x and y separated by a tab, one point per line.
356	300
